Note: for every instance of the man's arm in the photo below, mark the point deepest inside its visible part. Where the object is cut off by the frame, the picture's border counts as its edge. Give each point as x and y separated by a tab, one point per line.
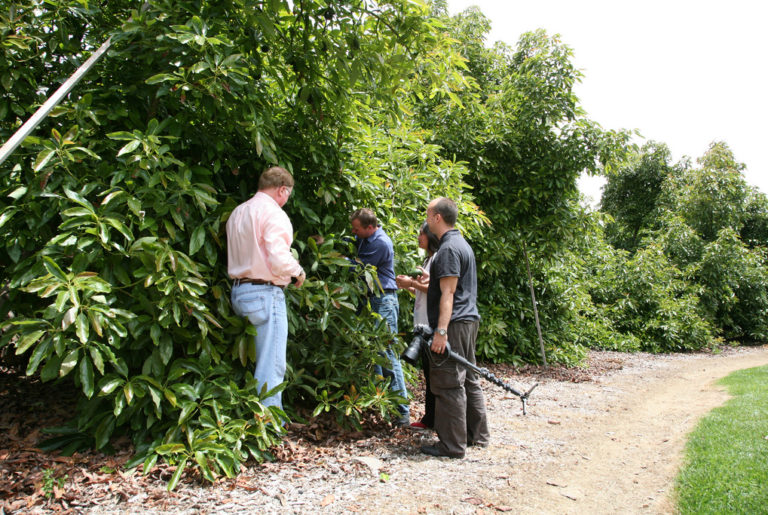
278	236
447	290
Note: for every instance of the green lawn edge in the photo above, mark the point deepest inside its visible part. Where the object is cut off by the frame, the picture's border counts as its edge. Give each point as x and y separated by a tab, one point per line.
725	468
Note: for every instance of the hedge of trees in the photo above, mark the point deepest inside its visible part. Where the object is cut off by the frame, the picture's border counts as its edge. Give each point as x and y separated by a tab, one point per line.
112	214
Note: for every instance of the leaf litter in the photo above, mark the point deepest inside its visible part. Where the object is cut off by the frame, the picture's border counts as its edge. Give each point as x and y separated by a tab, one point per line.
33	480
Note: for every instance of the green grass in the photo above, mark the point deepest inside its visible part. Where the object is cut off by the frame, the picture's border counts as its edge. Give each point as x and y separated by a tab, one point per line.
726	460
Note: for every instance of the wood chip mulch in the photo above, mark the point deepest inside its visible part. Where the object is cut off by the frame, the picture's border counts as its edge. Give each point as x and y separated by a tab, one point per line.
33	480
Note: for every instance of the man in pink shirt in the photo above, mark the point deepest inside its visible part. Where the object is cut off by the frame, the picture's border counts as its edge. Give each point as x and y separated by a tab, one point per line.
259	259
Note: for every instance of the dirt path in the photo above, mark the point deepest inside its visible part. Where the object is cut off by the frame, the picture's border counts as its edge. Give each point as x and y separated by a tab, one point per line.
612	444
609	446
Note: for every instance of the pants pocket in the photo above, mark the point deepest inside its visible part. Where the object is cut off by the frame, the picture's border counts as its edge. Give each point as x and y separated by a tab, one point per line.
255	308
447	376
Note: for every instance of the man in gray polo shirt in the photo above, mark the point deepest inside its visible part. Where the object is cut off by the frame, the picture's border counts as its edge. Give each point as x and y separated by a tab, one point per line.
460	417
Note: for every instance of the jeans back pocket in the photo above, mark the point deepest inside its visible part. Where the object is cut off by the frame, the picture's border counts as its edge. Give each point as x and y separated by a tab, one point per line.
255	307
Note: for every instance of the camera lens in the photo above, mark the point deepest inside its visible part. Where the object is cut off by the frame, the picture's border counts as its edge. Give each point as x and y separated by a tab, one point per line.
411	353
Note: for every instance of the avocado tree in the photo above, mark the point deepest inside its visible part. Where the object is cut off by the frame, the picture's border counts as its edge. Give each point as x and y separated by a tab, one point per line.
631	194
112	215
709	224
526	141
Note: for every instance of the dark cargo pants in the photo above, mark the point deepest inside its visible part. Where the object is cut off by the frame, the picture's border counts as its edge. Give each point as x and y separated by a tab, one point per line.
460	416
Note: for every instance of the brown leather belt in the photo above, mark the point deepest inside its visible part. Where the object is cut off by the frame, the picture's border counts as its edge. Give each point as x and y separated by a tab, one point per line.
257	281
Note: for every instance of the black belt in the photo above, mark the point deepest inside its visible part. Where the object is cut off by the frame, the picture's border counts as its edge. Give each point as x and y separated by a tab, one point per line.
257	281
390	290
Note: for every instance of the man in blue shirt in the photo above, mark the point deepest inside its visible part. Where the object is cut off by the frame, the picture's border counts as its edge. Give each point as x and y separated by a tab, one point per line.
375	248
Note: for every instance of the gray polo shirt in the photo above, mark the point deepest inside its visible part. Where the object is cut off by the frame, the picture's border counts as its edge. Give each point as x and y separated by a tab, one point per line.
454	258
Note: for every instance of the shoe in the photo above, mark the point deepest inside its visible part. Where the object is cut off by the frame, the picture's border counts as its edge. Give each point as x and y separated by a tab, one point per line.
418	425
477	444
404	421
434	450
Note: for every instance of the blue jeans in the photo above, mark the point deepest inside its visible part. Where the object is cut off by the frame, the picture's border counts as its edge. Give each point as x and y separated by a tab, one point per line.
264	306
387	306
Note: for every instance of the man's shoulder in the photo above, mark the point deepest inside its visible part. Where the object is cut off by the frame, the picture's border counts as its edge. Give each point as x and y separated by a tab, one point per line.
380	237
457	241
262	208
455	248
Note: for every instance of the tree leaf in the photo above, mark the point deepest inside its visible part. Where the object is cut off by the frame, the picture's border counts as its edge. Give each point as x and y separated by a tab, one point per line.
42	351
166	350
111	196
18	192
161	77
98	360
81	327
26	341
129	147
149	463
69	362
197	240
51	369
128	392
177	474
42	159
86	376
103	432
54	269
7	215
170	448
109	384
69	317
73	195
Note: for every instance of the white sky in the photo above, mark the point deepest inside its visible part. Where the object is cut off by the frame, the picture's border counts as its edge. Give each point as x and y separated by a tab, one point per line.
682	72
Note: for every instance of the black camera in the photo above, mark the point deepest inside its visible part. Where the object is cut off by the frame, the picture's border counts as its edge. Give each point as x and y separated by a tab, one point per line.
422	337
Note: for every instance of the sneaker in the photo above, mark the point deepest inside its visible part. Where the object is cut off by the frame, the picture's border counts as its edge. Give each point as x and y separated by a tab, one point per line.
403	421
418	425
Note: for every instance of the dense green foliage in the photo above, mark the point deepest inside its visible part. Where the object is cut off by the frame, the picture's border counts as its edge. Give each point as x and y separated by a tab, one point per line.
526	141
696	220
724	469
112	216
632	196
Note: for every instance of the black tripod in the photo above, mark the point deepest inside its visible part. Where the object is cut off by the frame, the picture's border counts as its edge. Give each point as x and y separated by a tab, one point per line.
422	338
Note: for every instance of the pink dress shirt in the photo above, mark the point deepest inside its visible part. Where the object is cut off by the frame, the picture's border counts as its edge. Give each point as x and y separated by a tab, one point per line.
259	237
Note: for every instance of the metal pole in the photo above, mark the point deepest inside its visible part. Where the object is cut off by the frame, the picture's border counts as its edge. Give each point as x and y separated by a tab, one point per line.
535	306
31	124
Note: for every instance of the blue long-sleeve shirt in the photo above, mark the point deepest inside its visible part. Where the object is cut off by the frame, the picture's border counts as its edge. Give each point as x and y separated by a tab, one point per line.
377	250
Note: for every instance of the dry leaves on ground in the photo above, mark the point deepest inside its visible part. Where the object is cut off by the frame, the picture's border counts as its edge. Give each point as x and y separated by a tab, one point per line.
30	478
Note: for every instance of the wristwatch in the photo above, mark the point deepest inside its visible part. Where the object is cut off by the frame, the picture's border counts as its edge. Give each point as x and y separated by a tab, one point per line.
442	332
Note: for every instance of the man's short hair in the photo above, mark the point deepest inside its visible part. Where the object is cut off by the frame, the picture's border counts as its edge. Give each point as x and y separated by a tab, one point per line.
365	216
447	209
275	177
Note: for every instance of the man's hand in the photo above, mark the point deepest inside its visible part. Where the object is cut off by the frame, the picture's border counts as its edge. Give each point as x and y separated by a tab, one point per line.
300	279
438	343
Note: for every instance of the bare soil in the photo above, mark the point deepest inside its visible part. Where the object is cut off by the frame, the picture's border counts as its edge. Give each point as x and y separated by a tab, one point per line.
606	439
